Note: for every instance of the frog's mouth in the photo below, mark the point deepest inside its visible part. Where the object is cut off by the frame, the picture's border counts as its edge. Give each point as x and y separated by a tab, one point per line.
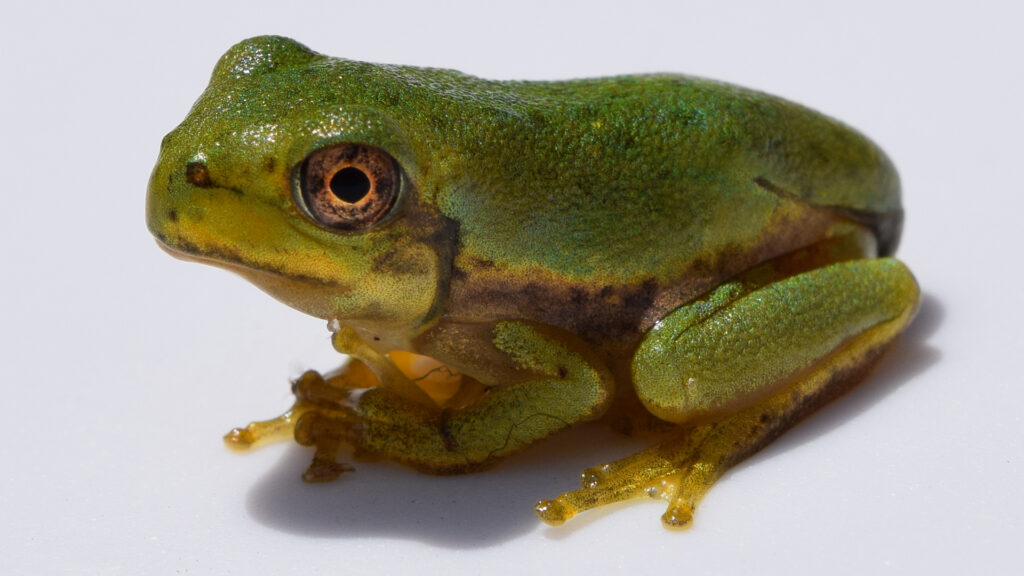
188	253
306	294
234	262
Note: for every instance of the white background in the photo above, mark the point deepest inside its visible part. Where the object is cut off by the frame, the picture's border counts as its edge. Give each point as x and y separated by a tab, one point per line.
122	367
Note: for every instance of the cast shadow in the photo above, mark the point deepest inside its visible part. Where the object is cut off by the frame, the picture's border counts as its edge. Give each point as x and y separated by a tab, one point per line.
383	499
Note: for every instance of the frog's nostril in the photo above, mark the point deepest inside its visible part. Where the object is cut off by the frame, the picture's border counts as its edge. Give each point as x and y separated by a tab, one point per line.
197	174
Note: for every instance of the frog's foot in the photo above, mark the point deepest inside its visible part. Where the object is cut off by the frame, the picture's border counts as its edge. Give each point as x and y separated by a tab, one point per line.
322	416
679	470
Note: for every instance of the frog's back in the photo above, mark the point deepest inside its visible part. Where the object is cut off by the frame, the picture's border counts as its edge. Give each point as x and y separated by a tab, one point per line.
656	176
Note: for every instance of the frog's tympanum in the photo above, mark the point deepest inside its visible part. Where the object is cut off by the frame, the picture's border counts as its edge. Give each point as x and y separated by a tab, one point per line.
504	260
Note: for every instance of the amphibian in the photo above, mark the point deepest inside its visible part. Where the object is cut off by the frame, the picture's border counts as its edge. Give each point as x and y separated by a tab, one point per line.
502	260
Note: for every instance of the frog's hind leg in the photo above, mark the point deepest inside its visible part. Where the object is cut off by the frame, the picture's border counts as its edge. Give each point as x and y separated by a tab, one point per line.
746	365
683	468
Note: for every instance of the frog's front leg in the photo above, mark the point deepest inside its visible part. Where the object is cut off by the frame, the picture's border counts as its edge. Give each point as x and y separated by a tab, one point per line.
329	393
537	380
742	366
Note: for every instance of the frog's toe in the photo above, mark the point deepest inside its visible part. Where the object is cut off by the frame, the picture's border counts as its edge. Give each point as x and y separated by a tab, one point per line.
554	512
263	432
678	515
683	490
325	466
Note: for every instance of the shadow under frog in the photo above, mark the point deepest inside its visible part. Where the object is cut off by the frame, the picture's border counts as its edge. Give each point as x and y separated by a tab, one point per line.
461	511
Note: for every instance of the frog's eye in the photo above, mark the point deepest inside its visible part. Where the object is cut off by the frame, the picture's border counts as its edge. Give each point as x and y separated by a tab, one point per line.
349	186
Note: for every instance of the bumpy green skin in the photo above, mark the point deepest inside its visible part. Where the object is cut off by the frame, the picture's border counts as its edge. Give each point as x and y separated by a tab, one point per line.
555	242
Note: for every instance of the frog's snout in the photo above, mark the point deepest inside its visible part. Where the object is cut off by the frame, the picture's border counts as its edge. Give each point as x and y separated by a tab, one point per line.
169	191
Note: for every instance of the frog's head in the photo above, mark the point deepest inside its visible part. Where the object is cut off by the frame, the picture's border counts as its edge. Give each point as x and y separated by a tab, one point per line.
292	171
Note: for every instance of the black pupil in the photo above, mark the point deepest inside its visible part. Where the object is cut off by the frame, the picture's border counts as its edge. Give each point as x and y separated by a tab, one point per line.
350	184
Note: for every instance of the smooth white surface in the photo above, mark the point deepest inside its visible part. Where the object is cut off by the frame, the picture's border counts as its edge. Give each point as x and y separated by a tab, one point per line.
122	367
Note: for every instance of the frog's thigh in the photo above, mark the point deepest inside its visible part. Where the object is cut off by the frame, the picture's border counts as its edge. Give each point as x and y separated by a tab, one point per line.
567	385
768	338
804	337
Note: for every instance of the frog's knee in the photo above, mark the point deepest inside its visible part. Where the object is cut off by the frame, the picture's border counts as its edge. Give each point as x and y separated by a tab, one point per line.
753	345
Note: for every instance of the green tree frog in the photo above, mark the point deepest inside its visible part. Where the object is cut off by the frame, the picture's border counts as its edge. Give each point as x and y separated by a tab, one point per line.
502	260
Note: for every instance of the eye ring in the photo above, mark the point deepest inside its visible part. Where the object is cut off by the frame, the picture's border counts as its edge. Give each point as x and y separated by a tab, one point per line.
349	186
